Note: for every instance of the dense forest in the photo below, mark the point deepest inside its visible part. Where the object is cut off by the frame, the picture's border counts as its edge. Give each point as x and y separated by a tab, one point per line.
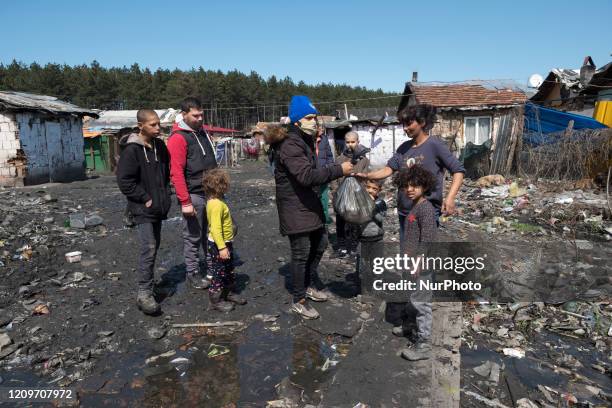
231	99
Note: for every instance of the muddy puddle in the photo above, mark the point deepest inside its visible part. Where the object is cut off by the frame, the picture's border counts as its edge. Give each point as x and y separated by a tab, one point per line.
260	364
544	365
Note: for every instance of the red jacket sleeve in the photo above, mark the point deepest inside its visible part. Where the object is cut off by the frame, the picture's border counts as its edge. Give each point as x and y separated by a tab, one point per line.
177	147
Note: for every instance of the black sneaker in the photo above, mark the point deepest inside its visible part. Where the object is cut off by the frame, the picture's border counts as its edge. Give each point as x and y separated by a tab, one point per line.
342	253
197	281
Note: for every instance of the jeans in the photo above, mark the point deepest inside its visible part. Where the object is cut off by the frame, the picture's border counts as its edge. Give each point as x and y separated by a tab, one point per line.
419	300
195	230
306	251
149	235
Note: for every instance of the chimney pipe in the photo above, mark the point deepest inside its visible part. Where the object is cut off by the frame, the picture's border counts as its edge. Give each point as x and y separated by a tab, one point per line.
586	71
415	76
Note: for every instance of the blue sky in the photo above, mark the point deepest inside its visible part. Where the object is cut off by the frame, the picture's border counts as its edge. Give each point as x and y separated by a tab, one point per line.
368	43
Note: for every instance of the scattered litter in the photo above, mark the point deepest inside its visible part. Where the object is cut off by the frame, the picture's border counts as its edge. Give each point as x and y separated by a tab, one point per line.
514	352
486	401
5	340
515	191
179	360
328	364
564	200
74	257
216	324
40	309
157	357
526	403
156	333
77	221
215	350
266	318
583	245
499	191
281	403
93	220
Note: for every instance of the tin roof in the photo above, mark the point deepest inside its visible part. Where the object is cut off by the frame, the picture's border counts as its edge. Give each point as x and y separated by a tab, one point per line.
21	101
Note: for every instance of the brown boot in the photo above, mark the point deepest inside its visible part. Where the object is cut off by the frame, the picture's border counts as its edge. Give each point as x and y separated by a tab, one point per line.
217	303
231	296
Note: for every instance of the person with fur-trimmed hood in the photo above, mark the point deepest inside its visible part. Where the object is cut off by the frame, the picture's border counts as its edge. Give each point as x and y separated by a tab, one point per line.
143	176
298	179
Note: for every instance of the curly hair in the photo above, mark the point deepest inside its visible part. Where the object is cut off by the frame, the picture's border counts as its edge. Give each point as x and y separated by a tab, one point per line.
424	114
215	183
416	176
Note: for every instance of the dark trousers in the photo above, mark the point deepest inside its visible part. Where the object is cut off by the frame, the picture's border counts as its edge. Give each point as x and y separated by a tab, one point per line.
368	250
195	230
346	234
149	235
223	276
306	252
340	228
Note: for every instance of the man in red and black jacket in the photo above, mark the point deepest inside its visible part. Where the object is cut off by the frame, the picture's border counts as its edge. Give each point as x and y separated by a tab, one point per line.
191	154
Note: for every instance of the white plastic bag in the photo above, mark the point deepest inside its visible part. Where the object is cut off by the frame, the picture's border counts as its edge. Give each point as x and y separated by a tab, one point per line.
352	202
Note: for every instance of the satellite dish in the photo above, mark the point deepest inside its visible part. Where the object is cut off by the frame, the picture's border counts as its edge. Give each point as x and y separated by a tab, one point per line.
535	81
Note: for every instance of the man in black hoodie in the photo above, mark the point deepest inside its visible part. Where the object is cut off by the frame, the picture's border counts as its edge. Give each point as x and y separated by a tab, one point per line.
143	176
298	179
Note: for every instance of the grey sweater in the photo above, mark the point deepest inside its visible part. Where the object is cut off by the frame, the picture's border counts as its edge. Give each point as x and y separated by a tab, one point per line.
420	228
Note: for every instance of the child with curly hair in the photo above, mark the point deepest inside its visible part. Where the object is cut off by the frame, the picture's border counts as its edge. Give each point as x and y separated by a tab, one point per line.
220	255
419	229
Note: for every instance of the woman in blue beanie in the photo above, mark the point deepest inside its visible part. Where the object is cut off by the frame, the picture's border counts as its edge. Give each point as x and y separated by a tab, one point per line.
298	179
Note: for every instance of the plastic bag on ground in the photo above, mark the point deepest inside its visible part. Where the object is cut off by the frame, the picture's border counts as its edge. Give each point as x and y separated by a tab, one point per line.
352	202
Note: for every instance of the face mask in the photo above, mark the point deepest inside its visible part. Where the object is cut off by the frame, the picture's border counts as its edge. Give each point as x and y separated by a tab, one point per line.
309	127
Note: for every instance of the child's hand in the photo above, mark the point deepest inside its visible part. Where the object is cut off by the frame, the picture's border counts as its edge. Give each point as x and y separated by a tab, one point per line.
224	254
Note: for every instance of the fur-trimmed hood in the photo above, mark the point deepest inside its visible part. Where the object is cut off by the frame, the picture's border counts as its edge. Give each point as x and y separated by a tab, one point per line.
275	134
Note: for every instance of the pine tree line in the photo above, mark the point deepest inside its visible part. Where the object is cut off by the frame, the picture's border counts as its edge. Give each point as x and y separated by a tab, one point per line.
225	95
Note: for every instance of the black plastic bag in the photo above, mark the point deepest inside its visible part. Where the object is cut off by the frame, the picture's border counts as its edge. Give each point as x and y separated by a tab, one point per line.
352	202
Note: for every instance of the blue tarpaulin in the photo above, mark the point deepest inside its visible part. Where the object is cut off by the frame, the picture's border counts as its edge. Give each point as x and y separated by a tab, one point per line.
545	120
540	121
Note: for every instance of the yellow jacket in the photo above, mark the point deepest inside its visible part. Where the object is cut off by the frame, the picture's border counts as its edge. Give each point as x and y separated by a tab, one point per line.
220	226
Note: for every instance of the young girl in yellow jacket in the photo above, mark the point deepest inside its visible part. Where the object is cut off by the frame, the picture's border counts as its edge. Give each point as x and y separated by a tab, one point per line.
220	254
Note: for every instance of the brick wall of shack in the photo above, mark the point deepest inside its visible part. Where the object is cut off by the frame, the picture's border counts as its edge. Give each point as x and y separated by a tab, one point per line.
11	157
39	148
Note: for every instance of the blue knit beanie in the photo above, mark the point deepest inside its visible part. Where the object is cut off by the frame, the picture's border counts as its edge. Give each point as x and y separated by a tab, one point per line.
299	107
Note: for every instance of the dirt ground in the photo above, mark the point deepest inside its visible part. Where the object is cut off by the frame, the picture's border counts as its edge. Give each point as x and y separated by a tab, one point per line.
76	324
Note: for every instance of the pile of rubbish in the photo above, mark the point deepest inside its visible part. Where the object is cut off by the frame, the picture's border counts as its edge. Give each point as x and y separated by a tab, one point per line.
568	342
39	234
494	203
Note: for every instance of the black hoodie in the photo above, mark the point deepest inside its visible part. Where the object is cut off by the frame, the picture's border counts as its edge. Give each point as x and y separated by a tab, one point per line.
143	174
